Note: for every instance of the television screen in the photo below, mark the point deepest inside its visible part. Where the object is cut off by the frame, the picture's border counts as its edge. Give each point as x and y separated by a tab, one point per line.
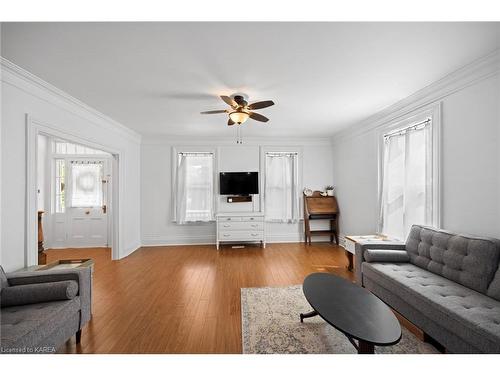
239	183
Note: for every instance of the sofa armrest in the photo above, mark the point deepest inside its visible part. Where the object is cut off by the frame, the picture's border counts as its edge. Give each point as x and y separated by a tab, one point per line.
81	275
386	256
359	254
37	293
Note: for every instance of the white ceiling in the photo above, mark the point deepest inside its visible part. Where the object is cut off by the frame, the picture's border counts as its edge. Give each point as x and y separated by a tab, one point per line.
157	77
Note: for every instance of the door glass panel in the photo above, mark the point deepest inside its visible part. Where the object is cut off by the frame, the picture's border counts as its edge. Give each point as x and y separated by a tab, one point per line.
86	184
60	193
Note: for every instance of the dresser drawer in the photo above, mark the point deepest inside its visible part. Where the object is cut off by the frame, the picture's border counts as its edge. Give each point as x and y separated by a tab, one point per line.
241	235
229	218
242	225
252	218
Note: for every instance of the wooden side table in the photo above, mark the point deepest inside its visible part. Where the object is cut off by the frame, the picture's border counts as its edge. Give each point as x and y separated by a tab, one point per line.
67	264
351	241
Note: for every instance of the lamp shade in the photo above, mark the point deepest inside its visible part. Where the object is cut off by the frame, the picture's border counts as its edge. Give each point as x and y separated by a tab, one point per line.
239	116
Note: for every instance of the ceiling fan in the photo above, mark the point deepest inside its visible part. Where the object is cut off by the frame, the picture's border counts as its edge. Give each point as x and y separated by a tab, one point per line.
240	110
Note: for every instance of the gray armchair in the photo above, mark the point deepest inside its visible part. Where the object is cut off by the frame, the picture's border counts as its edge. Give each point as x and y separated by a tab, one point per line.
41	310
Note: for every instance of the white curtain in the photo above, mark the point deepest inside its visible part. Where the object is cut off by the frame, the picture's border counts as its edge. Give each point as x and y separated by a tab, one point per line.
407	181
281	187
86	184
194	188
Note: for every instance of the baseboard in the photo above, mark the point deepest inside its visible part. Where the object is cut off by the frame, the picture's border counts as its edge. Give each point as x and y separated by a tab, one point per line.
74	247
159	240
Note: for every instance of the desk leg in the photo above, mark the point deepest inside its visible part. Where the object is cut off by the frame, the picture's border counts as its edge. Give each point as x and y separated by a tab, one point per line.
350	258
365	347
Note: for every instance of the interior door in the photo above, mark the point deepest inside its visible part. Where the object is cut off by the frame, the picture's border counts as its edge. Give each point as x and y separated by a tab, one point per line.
87	219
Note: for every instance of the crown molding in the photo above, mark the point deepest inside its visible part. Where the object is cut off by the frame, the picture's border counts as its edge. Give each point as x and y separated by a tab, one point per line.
468	75
73	105
230	141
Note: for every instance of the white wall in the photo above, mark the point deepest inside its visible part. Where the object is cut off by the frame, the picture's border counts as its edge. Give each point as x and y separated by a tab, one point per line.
156	189
24	94
470	156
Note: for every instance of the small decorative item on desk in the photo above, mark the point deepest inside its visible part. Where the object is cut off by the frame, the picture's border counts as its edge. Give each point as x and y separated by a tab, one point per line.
308	192
329	190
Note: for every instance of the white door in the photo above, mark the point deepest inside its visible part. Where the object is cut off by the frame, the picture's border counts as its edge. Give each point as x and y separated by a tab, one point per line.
86	202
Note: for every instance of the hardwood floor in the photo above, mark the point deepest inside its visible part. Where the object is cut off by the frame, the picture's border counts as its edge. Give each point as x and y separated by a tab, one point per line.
186	299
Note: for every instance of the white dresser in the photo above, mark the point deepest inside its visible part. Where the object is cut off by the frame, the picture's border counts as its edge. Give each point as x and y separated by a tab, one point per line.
240	227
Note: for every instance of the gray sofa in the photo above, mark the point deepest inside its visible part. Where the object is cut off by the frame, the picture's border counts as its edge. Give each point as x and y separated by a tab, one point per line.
446	284
41	310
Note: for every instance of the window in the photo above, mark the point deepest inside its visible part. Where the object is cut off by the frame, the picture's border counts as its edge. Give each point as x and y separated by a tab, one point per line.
408	178
194	187
68	148
60	192
86	184
281	198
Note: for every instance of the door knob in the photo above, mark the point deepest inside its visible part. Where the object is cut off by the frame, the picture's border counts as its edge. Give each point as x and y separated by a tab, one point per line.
87	212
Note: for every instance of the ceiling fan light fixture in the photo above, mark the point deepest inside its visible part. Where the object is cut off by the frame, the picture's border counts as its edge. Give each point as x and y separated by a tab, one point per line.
239	116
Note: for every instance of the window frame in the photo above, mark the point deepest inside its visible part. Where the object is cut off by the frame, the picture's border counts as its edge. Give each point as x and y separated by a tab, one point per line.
262	183
432	111
176	150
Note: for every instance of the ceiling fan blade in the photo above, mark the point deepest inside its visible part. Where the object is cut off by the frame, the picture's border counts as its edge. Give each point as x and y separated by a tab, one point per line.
229	101
230	122
258	117
212	112
259	105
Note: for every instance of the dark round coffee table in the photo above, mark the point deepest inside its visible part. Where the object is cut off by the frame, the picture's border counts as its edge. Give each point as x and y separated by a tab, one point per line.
352	310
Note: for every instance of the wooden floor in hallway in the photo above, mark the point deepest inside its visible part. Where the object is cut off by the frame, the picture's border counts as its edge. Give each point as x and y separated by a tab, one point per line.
186	299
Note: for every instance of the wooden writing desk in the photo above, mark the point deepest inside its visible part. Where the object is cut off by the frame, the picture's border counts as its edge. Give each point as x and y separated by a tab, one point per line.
317	207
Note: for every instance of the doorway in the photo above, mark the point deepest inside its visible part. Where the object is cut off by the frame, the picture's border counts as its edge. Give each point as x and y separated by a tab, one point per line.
76	194
72	193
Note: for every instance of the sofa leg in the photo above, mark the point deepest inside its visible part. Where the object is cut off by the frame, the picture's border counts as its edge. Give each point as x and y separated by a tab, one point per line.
78	336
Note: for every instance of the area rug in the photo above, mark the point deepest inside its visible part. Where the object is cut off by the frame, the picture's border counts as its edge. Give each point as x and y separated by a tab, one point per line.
271	325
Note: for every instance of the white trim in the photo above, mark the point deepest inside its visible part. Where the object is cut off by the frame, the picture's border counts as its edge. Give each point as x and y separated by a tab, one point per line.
16	76
432	111
470	74
33	129
181	240
130	249
230	141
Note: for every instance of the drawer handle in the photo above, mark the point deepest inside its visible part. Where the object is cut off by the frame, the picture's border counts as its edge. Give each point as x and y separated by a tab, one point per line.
226	225
255	234
252	218
228	218
255	225
226	235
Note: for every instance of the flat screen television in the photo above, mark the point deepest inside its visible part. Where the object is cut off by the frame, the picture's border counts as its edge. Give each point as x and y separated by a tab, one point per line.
239	183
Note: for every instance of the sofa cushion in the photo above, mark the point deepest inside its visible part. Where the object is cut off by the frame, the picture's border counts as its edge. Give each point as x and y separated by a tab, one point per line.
494	287
26	326
383	255
470	261
472	316
36	293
